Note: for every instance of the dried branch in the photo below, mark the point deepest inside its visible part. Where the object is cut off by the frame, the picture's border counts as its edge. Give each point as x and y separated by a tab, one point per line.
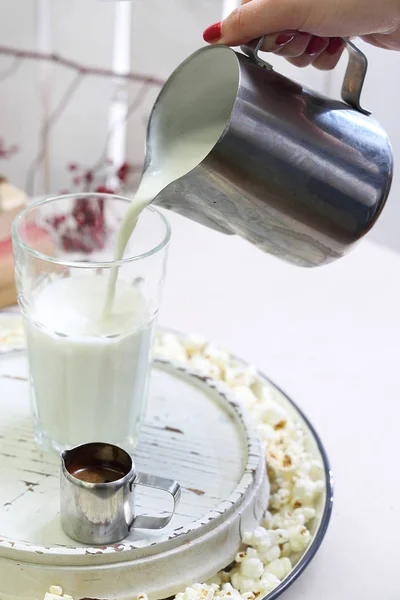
49	122
135	104
13	68
82	69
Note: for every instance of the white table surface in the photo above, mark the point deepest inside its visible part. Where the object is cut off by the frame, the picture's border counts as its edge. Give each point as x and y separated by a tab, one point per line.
330	338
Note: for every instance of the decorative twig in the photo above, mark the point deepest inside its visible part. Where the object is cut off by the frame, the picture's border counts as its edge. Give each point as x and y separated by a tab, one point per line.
82	69
136	102
30	181
13	68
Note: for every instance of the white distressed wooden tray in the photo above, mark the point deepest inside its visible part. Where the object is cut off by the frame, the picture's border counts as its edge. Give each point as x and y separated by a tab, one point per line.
194	433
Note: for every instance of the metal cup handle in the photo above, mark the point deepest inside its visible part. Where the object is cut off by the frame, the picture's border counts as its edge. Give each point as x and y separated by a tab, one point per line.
161	483
353	79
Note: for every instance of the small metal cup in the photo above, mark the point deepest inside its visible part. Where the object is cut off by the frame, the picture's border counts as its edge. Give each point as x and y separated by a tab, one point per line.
97	494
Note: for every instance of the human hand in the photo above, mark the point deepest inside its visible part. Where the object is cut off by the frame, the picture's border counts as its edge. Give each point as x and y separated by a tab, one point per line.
310	31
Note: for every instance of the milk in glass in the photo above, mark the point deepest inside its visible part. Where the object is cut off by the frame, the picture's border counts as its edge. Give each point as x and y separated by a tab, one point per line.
89	372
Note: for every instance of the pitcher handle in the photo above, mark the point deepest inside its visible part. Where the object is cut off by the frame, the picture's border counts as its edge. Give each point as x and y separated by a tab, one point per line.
251	49
161	483
353	79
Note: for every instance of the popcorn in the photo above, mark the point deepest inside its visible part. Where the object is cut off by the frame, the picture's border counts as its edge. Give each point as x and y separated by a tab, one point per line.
304	515
55	593
266	432
250	574
169	346
263	391
279	567
240	556
198	592
299	538
228	592
296	479
315	470
240	375
267	584
245	396
205	367
242	584
272	554
11	333
280	498
194	343
267	522
306	491
257	538
217	356
252	567
271	413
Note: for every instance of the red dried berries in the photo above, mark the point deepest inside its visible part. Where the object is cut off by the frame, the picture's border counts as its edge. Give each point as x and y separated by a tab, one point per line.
7	152
123	172
84	230
102	189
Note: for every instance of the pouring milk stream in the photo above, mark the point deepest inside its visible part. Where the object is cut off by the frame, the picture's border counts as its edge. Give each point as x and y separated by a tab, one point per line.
177	158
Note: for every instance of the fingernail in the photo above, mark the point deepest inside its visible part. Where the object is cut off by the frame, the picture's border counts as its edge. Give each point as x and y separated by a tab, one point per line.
284	38
213	33
334	45
315	46
303	33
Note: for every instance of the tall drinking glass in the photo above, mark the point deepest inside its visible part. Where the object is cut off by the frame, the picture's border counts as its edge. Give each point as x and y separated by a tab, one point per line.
89	367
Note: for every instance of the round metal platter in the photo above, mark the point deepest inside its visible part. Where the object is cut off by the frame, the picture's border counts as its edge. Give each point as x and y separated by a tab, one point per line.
210	449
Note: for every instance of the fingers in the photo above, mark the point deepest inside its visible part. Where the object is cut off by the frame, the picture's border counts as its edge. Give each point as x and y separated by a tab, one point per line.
322	53
331	56
296	47
286	43
256	18
387	41
314	49
303	49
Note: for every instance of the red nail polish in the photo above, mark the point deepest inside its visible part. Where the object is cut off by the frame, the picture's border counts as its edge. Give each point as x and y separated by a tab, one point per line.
316	45
334	45
284	38
213	33
303	33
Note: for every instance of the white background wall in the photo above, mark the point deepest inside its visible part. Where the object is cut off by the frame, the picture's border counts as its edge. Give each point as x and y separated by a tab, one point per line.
161	34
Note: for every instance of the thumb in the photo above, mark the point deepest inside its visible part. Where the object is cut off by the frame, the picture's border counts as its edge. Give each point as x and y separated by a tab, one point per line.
261	17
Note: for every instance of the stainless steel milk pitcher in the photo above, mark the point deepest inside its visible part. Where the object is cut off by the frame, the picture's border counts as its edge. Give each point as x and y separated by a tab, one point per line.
298	174
97	495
